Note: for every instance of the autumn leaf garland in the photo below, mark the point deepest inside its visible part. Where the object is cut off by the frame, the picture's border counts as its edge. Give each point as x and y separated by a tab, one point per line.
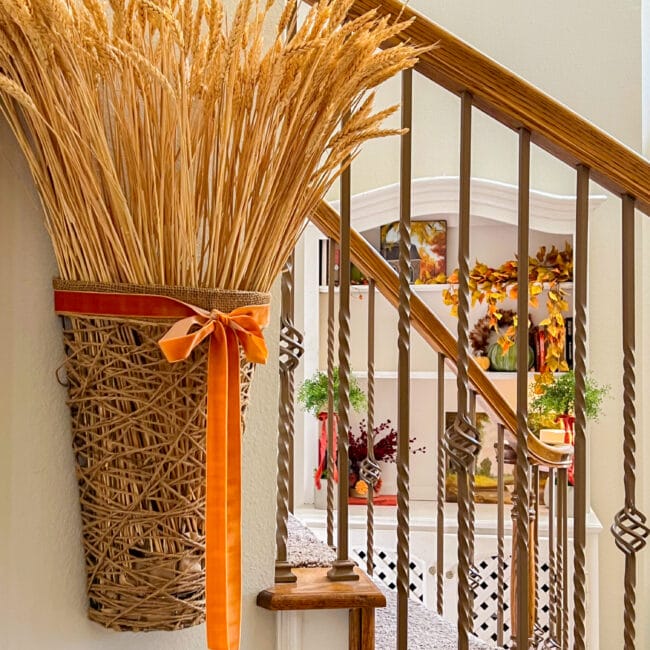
492	286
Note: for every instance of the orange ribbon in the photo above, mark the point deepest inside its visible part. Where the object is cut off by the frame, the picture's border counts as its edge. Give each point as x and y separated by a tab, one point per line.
226	332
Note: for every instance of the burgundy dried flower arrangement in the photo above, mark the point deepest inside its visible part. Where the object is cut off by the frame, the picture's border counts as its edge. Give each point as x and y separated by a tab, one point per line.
385	446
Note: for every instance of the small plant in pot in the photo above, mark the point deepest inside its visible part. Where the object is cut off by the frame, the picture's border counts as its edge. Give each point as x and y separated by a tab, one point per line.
385	448
313	394
313	397
553	403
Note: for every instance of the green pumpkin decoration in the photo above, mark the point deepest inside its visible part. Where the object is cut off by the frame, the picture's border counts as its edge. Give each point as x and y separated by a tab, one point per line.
507	362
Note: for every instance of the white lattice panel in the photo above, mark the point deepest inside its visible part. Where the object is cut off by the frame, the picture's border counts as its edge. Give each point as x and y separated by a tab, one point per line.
485	605
386	570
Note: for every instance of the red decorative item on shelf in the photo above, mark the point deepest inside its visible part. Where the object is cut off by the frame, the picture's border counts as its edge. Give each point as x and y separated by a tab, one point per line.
568	422
322	448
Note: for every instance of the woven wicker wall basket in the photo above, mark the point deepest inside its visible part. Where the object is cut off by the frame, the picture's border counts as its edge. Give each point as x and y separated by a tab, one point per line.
138	435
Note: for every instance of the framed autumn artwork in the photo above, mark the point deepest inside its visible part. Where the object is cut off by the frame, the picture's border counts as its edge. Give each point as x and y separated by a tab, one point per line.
428	249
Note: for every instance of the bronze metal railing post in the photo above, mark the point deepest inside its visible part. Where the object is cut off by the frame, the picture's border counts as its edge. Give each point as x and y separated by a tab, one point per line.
552	636
521	533
474	576
500	532
331	333
461	438
629	528
291	350
534	570
580	271
369	468
561	591
440	493
564	495
343	567
403	366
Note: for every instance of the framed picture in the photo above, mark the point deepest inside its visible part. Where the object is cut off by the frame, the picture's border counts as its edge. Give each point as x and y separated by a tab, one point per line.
485	477
428	249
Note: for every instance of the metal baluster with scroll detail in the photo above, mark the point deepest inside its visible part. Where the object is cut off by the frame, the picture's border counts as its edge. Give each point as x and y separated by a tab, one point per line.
461	438
291	350
630	528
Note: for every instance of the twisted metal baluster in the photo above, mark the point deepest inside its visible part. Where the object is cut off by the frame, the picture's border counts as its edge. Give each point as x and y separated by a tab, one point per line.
442	471
629	529
538	630
564	477
552	635
461	438
369	470
343	567
561	557
523	631
501	568
331	333
291	349
474	573
403	366
580	475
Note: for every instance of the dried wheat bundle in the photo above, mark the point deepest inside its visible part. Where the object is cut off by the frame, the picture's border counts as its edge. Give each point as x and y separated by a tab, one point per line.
171	146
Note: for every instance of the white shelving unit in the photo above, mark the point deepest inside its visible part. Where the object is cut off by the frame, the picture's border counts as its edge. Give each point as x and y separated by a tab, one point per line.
493	241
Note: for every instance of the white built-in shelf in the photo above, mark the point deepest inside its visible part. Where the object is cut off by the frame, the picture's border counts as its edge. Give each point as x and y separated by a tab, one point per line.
392	374
493	203
425	288
424	375
424	518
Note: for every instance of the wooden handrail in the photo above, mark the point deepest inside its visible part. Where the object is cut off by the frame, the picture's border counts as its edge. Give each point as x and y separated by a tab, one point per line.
433	331
516	103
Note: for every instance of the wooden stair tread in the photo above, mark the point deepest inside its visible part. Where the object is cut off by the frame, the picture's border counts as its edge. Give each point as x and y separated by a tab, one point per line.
313	590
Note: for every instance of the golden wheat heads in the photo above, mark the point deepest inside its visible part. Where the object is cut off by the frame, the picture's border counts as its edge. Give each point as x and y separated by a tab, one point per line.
172	144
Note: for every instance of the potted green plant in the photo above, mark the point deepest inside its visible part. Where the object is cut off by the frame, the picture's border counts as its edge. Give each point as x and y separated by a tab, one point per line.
313	393
313	396
553	402
557	396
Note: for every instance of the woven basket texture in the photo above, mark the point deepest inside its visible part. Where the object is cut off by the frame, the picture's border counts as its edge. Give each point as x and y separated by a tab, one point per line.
138	435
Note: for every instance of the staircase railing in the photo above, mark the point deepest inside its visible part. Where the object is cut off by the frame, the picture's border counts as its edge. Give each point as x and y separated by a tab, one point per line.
595	156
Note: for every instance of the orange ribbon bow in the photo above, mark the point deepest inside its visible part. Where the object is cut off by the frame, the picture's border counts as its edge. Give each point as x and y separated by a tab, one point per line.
242	326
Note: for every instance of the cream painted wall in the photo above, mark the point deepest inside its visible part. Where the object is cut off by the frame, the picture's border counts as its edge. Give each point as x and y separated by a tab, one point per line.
42	579
588	55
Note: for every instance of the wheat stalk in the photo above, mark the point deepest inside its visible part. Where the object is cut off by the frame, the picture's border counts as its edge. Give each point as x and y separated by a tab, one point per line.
170	147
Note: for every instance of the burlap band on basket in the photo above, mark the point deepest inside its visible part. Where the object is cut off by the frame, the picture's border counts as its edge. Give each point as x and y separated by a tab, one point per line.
139	438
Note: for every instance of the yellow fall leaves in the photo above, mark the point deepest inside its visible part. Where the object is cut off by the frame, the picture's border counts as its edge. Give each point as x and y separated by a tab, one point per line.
492	286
